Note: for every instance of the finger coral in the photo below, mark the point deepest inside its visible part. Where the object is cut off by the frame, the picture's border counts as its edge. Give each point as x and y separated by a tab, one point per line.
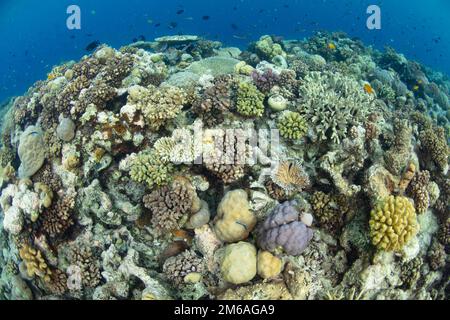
393	223
35	263
292	125
179	267
418	190
147	168
434	143
250	102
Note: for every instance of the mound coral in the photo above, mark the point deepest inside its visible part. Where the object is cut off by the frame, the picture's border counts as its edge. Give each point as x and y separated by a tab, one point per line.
282	230
332	103
234	220
31	151
238	264
267	49
292	125
393	223
268	265
250	102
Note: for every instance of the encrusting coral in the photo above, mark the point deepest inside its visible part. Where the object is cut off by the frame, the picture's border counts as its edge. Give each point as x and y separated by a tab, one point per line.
393	223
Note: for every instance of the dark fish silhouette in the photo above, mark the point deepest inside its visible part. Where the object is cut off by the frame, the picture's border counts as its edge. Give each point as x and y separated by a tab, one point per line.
234	27
157	25
206	18
92	46
181	11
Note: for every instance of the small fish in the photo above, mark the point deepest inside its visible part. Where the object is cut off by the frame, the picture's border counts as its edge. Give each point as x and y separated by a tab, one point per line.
173	25
189	18
157	25
181	11
331	46
239	37
92	46
205	18
368	89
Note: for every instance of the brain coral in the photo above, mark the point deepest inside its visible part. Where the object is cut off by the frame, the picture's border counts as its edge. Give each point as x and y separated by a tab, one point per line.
238	264
393	223
332	103
281	229
31	151
234	220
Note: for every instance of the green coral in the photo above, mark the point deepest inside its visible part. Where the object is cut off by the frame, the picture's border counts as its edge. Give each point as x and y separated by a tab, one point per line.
434	143
292	125
267	49
250	102
393	222
148	168
333	103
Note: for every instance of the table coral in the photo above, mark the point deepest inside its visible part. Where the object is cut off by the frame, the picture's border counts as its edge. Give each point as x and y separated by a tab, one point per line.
393	223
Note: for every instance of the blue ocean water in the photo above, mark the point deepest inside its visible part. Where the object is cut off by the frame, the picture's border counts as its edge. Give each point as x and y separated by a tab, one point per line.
34	36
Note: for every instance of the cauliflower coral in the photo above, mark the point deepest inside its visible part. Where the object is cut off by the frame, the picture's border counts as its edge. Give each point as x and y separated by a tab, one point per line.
393	223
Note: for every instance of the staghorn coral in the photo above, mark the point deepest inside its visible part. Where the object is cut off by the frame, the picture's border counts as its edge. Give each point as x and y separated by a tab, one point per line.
393	223
332	103
148	168
292	125
179	267
282	230
250	102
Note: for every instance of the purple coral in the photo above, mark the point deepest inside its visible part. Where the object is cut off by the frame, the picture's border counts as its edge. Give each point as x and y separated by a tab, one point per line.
282	229
265	81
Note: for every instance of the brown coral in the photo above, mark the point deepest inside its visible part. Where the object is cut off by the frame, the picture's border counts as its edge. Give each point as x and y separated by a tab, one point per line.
83	257
418	190
169	205
434	144
178	267
56	220
35	263
330	210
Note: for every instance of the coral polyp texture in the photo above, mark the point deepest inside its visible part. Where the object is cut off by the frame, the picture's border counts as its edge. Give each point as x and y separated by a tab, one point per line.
393	223
183	169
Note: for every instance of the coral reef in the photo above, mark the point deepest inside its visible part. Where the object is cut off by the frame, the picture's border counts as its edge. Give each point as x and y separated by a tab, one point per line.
182	169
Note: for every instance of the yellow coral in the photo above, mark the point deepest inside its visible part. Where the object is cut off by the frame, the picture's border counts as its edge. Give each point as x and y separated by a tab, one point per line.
393	223
239	263
234	219
35	263
269	266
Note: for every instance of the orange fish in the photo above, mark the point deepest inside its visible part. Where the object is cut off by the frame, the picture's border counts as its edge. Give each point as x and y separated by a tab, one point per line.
368	89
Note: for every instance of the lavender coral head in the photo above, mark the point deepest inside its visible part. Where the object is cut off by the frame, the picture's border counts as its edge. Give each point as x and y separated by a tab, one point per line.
282	228
265	81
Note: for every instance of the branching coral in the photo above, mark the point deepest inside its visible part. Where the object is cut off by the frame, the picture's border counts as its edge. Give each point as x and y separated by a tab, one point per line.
397	157
250	102
177	268
89	268
418	190
148	168
292	125
170	205
35	263
332	103
56	220
434	144
266	80
393	223
215	101
330	210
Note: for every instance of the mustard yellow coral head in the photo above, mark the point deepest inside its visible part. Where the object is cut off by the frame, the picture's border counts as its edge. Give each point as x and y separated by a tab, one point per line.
393	223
